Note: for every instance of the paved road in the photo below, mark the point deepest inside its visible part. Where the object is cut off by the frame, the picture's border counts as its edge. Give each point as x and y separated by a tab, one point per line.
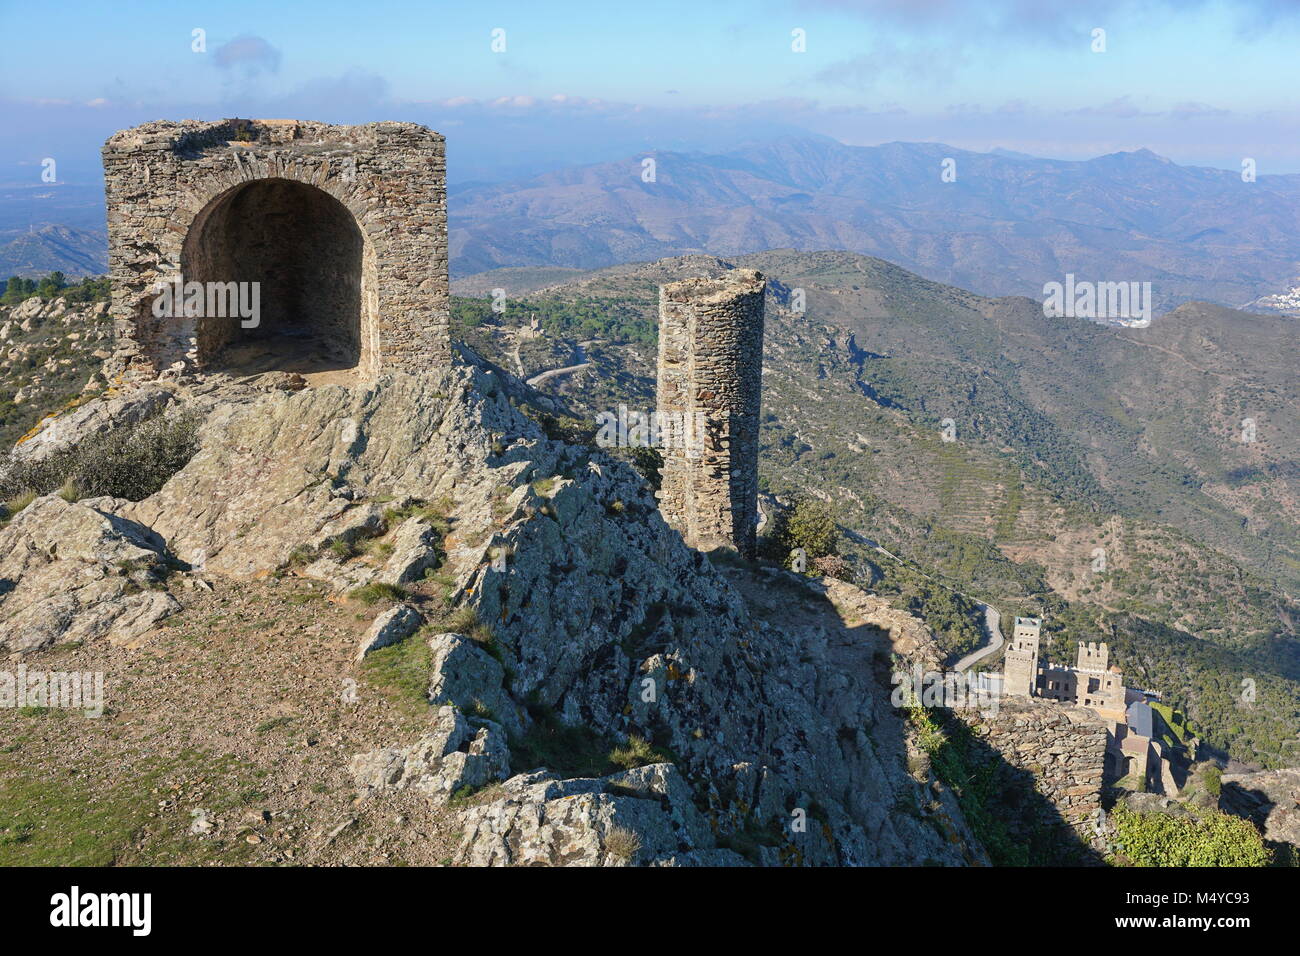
580	354
992	627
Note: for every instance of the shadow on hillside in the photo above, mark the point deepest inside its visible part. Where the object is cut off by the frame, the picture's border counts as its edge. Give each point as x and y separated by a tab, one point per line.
1017	824
1012	820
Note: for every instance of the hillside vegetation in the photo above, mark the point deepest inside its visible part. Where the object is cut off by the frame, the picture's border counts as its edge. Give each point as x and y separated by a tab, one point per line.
1074	444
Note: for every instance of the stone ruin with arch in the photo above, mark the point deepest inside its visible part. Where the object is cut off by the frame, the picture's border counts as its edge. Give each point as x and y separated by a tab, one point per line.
344	228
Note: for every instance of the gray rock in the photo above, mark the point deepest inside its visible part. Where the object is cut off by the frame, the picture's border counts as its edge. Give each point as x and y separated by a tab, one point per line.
463	674
629	818
416	548
396	624
76	571
1269	798
454	755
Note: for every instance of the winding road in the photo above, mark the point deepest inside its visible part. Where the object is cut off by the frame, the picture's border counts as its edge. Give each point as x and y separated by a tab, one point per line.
992	619
579	353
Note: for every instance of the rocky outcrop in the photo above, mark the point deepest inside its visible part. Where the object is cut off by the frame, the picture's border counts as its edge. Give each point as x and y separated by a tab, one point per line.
78	571
455	755
466	676
641	816
416	549
592	613
1268	798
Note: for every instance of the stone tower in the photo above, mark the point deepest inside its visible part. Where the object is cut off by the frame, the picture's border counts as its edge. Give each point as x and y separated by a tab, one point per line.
1100	686
1093	657
341	231
1020	664
710	381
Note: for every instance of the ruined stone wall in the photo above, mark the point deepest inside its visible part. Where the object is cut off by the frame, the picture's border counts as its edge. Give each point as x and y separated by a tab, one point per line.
163	179
710	374
1050	759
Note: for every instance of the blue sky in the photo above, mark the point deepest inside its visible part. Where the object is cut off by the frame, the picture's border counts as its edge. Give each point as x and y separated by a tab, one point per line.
1199	81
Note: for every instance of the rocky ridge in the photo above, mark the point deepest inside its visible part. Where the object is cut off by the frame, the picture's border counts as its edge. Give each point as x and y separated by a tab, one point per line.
774	744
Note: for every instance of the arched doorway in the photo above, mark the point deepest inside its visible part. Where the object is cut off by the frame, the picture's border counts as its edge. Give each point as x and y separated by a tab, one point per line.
314	275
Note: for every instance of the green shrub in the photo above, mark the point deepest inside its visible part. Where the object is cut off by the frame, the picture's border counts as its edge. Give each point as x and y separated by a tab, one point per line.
54	285
131	461
344	549
808	524
649	462
1207	838
1213	781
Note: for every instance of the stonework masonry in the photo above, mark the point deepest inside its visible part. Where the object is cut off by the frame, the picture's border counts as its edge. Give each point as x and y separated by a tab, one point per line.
344	227
1063	746
710	371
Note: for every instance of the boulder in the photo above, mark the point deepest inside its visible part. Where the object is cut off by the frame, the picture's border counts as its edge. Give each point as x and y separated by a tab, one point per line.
1269	798
454	756
466	676
77	571
416	548
639	817
394	625
27	310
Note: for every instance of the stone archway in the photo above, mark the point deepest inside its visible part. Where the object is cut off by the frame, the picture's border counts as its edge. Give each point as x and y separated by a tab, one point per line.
344	228
308	267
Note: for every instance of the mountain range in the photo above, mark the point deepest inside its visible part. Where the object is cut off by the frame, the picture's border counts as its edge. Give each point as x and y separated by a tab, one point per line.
999	223
1005	224
52	227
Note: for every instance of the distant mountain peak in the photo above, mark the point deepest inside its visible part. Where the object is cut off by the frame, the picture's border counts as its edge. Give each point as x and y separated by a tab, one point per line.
1139	155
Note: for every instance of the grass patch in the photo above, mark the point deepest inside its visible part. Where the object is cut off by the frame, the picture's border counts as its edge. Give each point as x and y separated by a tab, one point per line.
622	844
465	621
638	752
401	671
444	584
377	592
545	487
577	751
344	549
571	751
58	819
16	504
437	513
